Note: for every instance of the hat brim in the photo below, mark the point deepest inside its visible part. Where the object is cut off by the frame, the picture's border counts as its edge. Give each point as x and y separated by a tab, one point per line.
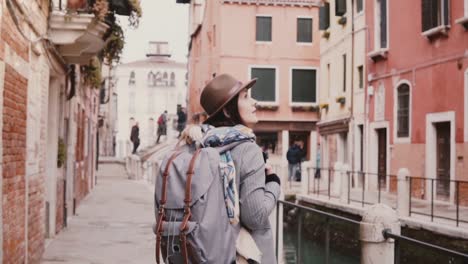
247	85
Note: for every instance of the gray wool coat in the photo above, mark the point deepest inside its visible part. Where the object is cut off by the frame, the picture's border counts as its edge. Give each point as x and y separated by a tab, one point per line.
257	199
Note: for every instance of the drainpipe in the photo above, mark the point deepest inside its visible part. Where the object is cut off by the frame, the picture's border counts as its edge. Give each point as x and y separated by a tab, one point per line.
352	88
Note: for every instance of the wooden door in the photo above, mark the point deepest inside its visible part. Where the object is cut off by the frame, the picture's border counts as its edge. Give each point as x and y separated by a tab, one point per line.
443	160
382	157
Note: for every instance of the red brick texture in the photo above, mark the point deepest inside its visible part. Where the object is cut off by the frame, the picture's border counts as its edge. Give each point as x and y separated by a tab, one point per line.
11	36
36	218
14	162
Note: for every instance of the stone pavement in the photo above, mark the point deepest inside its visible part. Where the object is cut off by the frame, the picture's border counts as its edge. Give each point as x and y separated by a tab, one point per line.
113	224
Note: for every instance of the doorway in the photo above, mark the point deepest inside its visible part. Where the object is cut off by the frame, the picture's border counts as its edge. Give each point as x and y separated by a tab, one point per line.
443	161
382	157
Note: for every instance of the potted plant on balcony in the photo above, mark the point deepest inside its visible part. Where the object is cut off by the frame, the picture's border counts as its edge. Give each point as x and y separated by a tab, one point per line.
326	34
341	100
323	106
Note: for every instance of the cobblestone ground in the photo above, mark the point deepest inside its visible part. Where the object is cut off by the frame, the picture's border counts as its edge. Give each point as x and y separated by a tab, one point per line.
112	225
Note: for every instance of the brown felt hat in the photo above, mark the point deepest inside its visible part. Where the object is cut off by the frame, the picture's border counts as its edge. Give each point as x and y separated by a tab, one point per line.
219	91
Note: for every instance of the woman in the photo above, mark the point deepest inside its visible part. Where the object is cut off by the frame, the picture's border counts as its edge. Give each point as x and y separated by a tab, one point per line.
253	189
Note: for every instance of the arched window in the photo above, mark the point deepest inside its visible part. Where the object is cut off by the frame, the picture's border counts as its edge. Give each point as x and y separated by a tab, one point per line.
132	81
157	79
151	79
165	81
403	105
172	79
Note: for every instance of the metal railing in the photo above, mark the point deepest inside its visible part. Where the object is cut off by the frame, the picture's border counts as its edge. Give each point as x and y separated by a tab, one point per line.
402	254
301	209
452	254
442	192
356	180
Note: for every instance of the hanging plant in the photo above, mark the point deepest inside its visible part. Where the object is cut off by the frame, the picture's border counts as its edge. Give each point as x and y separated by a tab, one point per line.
61	153
136	13
92	73
114	44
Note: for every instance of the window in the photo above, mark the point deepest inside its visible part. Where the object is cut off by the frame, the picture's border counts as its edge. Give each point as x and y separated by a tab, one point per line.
304	30
403	110
164	79
324	16
340	7
304	86
172	79
359	6
361	76
158	79
434	13
344	72
131	81
263	30
265	88
186	78
151	79
381	25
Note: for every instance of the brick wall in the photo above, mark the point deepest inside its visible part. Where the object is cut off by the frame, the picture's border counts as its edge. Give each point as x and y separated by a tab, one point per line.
14	159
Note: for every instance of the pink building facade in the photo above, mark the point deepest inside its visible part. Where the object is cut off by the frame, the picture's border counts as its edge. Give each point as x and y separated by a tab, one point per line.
417	94
276	41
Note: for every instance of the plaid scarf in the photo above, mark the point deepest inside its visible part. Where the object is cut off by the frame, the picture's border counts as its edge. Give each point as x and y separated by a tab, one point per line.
220	137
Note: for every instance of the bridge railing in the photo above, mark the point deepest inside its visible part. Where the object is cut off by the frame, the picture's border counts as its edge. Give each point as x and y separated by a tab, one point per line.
378	235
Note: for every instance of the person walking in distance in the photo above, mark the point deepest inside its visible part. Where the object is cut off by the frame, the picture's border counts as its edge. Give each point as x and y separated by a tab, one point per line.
162	125
135	137
181	120
294	156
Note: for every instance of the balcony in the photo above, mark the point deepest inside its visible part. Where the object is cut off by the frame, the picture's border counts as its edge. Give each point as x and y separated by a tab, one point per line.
77	32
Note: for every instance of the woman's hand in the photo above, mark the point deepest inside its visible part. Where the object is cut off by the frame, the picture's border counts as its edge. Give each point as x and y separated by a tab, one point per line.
268	169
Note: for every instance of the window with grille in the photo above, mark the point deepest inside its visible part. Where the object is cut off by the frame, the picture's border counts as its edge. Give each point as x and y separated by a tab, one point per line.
304	86
263	28
265	88
304	30
434	13
403	110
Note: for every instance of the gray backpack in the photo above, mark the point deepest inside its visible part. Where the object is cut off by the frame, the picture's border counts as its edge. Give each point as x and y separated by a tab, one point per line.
192	224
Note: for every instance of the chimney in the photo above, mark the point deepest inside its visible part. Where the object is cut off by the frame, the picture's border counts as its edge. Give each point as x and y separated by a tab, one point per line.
158	49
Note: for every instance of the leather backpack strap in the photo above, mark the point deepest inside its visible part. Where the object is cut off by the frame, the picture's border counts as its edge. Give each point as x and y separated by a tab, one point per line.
162	203
188	199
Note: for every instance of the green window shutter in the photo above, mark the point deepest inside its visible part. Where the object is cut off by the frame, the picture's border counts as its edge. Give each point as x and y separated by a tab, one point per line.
263	28
304	86
324	16
265	88
304	30
340	7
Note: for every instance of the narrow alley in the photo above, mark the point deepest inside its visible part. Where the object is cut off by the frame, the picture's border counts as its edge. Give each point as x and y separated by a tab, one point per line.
112	225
